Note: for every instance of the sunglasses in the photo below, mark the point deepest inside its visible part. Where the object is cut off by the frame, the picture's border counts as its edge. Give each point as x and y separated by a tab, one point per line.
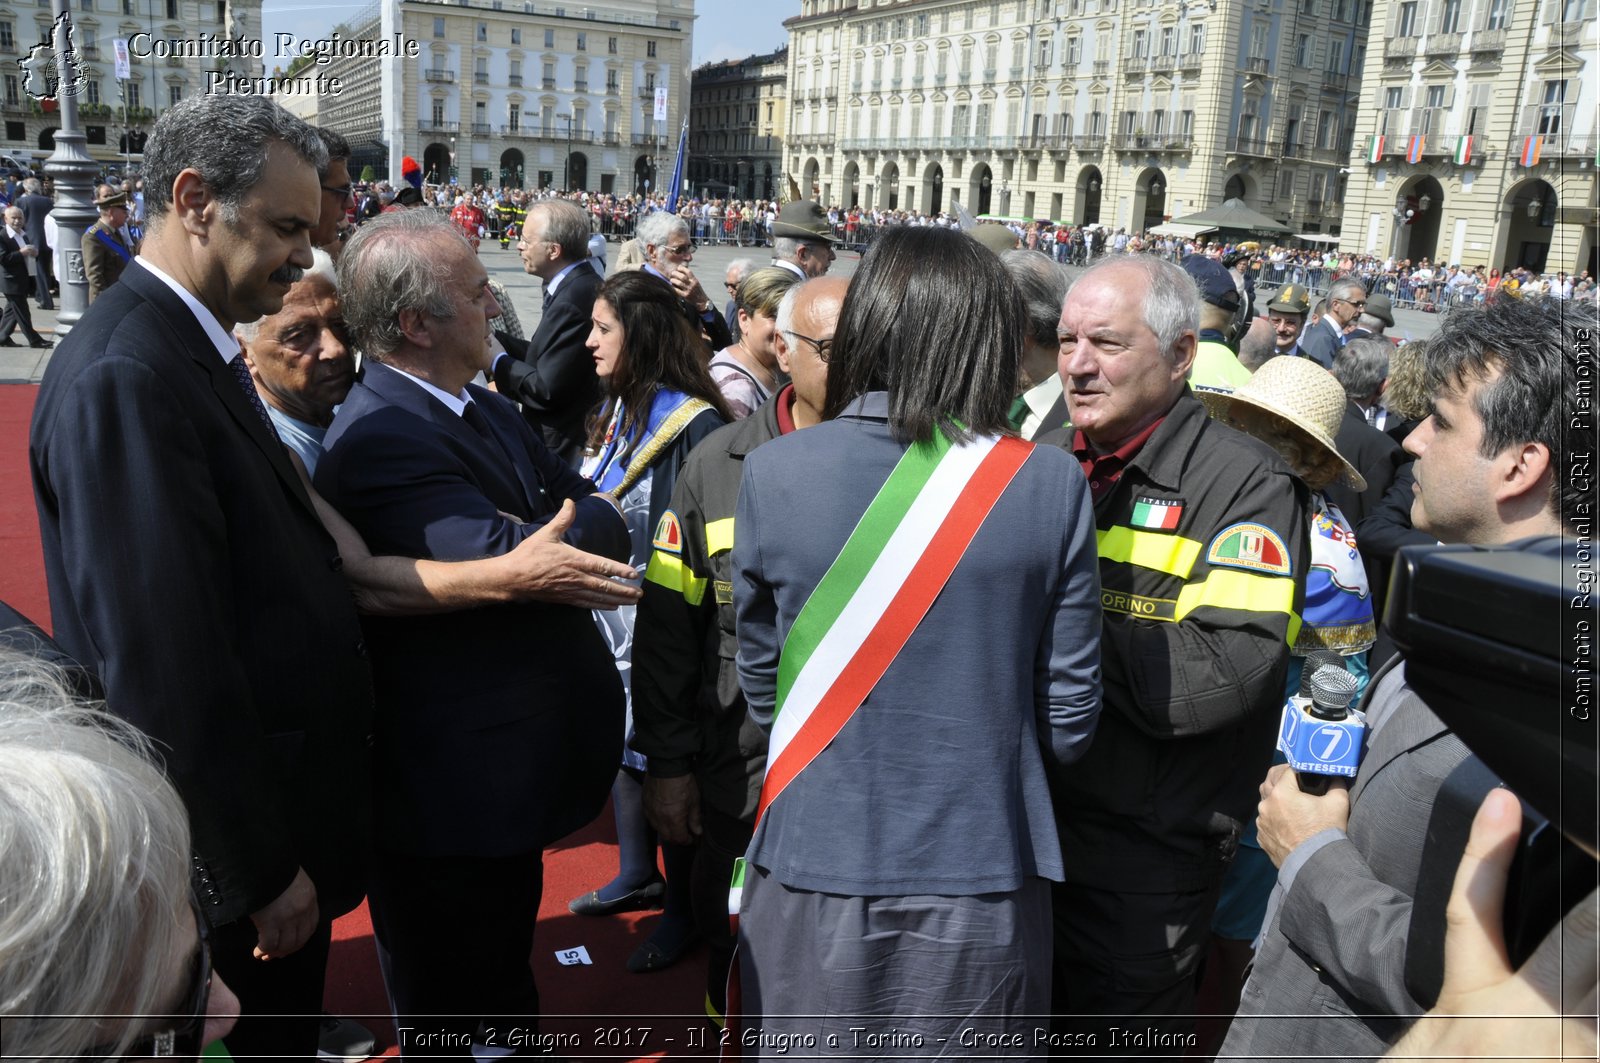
181	1034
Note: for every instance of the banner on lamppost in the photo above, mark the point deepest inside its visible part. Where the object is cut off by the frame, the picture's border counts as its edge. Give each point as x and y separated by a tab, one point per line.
124	68
661	103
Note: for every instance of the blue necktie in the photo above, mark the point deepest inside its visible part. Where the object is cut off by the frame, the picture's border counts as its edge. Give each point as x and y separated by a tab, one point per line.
241	374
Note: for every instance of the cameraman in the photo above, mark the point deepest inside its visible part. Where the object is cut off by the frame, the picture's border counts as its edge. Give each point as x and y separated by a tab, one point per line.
1502	377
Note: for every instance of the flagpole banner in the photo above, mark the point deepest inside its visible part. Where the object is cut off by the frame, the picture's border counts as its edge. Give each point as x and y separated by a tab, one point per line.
124	68
661	103
1375	150
1414	149
1463	150
1531	149
677	169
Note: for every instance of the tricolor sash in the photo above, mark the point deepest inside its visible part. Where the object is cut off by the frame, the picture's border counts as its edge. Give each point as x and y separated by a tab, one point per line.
864	610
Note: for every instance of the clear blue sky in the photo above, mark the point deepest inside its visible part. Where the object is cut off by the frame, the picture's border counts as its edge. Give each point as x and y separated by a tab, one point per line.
723	29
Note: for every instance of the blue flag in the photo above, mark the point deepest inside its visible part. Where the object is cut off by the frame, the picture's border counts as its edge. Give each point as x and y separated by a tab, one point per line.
677	169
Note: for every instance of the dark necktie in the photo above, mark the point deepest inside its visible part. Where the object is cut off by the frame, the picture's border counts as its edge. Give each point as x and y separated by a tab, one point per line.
548	295
241	374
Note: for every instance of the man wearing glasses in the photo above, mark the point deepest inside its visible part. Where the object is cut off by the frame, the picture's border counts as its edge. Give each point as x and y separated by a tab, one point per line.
337	193
1322	340
668	251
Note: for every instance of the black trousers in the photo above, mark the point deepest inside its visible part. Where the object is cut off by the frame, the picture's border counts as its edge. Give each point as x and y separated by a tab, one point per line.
44	276
18	313
280	1000
455	942
1126	968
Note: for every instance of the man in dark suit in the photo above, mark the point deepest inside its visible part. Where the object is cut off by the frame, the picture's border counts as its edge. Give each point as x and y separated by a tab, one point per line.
552	375
15	254
498	728
1489	472
187	565
36	206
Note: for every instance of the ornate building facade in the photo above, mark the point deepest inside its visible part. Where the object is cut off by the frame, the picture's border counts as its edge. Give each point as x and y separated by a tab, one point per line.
737	114
175	48
521	93
1123	112
1478	143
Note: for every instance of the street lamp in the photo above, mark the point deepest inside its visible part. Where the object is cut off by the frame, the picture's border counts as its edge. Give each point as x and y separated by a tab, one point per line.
566	161
73	171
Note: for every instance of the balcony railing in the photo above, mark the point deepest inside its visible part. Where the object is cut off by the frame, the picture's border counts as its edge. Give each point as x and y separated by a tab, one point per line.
1333	81
580	86
647	92
1488	41
1089	141
1398	46
611	139
1250	146
429	125
549	83
1043	141
514	80
1191	60
480	78
1102	68
641	140
1135	64
447	77
1163	63
482	129
613	89
518	130
1257	64
1442	44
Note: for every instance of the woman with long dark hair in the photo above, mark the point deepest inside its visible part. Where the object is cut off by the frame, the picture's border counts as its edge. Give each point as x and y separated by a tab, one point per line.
919	625
660	402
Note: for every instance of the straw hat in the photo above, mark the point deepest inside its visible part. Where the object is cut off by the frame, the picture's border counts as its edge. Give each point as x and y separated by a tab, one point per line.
1299	392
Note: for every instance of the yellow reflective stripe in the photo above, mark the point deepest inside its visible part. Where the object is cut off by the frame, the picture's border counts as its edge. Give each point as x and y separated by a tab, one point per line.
669	571
719	536
1230	589
1160	551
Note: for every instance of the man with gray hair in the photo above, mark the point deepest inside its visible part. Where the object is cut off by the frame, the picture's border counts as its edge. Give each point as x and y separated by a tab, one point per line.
668	251
36	207
1203	538
802	239
1040	405
737	271
478	768
1322	340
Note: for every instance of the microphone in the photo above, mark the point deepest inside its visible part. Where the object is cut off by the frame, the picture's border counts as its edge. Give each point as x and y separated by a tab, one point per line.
1320	735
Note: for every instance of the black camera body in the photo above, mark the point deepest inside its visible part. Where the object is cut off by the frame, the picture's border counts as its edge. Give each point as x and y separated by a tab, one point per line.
1499	643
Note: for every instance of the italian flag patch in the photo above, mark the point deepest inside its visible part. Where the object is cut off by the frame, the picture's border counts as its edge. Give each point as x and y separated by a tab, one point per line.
1157	513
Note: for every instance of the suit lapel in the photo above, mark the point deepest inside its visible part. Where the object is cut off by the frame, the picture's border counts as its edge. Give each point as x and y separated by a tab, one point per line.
204	353
515	451
489	465
1409	724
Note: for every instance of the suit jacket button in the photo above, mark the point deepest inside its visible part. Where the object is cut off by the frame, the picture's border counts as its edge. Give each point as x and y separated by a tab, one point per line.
361	648
336	563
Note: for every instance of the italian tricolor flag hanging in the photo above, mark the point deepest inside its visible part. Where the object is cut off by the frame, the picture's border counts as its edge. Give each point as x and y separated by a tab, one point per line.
1375	150
1154	513
1463	150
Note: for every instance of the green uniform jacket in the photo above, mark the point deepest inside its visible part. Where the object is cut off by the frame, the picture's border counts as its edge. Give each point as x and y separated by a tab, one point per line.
688	711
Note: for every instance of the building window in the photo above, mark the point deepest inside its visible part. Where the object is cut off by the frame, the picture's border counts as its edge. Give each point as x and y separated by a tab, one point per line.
1197	40
1335	56
1450	17
611	80
516	34
549	38
8	40
514	120
1498	10
222	10
438	114
1302	50
1408	19
127	7
11	90
172	9
650	49
131	94
611	46
583	41
174	95
438	27
483	31
93	91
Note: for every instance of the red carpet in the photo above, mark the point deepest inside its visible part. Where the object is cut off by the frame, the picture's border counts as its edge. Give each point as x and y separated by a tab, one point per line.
608	1011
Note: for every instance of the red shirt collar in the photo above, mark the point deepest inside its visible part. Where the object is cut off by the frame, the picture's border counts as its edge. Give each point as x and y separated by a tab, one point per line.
1104	470
785	410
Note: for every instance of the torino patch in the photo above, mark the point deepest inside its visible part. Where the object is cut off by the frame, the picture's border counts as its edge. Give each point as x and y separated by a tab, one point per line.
1250	546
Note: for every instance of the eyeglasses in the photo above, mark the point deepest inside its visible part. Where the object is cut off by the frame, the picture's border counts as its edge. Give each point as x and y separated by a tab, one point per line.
823	347
182	1037
342	191
681	250
730	286
1359	304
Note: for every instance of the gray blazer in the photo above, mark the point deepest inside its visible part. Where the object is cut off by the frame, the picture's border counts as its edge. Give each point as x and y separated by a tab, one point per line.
1329	974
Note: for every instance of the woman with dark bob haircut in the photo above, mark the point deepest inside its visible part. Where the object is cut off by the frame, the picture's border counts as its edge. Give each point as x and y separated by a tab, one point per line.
918	609
660	402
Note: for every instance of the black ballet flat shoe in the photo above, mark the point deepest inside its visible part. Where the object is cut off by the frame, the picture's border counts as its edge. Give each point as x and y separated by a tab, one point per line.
650	957
651	895
41	344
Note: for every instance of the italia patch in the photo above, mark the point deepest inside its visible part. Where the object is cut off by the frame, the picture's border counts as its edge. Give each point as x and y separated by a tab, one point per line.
1158	514
1250	546
669	534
